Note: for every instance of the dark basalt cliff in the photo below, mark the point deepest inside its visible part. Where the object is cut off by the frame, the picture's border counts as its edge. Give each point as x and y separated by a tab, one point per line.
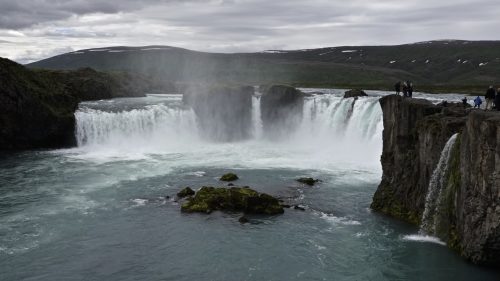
37	106
415	133
224	113
281	109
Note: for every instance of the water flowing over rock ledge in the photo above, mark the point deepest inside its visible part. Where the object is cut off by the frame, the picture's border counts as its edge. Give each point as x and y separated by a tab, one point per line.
415	133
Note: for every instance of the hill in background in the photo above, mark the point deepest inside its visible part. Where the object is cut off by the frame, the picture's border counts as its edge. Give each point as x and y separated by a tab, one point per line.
448	65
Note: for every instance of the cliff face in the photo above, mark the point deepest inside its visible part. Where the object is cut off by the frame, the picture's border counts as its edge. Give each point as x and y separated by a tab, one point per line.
281	109
415	133
224	113
37	106
478	194
35	112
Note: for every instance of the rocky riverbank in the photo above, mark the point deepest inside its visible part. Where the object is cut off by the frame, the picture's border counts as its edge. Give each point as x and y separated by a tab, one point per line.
415	133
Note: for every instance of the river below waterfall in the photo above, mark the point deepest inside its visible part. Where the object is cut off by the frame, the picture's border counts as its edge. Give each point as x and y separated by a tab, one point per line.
100	212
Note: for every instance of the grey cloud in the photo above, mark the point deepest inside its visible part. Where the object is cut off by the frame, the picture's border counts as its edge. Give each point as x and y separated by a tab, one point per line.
22	14
241	25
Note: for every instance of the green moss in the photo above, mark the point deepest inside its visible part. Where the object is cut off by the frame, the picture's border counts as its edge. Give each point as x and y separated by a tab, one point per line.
185	192
247	200
385	202
229	177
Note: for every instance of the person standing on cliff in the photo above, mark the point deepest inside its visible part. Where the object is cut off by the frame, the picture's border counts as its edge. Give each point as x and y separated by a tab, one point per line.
410	88
405	89
397	87
490	97
477	102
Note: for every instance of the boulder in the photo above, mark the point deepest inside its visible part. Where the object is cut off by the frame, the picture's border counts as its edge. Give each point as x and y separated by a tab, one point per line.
281	110
355	93
243	220
237	199
224	113
185	192
229	177
308	181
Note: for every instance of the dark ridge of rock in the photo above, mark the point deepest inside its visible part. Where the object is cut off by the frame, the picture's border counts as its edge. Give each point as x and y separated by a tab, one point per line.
224	113
187	191
355	93
35	111
415	132
413	138
229	177
236	199
281	110
88	84
308	181
477	186
37	106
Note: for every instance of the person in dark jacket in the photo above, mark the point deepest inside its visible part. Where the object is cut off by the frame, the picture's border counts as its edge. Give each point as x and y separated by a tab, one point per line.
497	100
490	97
397	87
405	89
464	101
410	88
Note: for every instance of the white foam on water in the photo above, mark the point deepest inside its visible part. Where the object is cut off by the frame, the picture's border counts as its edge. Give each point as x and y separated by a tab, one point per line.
197	174
139	201
423	239
338	220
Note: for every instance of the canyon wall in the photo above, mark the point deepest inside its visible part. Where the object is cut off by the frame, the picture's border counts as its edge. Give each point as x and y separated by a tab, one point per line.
415	133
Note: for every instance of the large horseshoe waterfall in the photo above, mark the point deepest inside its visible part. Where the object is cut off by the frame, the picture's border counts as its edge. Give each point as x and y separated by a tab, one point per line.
329	126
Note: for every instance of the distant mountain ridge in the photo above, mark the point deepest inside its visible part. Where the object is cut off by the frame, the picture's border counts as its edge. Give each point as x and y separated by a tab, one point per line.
438	63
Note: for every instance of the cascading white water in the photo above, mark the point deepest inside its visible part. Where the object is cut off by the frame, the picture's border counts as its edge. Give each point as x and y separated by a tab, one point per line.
256	117
327	131
151	125
436	186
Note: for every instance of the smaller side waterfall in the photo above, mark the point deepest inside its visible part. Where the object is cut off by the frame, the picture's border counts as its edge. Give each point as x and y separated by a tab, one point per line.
436	186
256	117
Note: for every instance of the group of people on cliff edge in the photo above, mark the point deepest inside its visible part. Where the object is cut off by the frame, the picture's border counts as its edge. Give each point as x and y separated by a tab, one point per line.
406	87
492	98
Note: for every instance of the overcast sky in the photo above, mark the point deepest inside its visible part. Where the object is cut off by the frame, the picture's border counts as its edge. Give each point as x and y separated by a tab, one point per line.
34	29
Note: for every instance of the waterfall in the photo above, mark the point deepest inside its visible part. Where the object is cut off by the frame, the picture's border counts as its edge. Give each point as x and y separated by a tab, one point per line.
150	125
256	117
435	189
162	123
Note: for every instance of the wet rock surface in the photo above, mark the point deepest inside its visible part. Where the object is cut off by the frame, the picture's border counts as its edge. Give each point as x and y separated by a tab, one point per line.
415	132
235	199
355	93
281	109
224	113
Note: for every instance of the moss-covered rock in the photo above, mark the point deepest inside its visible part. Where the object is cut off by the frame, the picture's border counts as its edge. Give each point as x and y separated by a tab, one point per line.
238	199
229	177
185	192
308	181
